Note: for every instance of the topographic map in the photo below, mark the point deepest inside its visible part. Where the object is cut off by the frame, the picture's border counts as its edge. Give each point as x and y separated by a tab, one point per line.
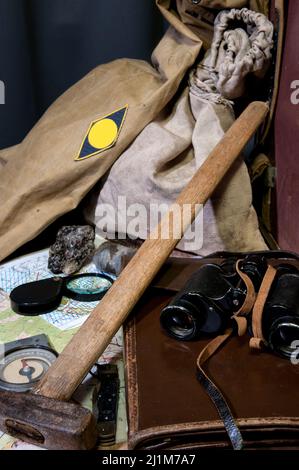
59	325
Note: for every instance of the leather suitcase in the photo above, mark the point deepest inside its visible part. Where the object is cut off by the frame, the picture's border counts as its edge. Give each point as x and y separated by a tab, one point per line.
275	171
167	406
287	136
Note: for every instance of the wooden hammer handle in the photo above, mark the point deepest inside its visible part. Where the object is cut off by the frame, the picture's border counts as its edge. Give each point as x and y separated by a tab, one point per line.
96	333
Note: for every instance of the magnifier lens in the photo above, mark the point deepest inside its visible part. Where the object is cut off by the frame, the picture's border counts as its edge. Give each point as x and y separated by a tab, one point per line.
88	286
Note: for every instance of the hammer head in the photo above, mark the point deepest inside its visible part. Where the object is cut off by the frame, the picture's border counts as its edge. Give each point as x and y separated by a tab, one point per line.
46	422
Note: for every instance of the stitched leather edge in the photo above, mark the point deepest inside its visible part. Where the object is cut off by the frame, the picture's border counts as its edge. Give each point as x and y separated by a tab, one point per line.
215	426
131	375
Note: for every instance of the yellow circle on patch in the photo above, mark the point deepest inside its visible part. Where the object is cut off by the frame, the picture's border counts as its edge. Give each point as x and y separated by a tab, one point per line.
103	134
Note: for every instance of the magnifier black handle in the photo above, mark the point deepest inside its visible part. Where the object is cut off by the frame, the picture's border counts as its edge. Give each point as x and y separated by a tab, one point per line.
35	298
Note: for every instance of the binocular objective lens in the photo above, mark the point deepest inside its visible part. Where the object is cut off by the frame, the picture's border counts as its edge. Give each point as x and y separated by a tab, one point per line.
282	338
181	324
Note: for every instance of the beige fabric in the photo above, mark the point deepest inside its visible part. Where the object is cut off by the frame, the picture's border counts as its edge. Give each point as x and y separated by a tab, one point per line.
164	157
7	154
262	6
200	17
41	181
236	53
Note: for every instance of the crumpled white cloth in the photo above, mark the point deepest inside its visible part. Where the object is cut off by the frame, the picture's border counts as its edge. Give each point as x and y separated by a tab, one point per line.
235	53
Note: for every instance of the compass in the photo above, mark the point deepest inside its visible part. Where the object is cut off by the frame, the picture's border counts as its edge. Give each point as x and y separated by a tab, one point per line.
24	365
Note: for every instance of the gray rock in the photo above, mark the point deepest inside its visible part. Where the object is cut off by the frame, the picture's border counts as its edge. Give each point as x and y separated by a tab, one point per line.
112	257
73	246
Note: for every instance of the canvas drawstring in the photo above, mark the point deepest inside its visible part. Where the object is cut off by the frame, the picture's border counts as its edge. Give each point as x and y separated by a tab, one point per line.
234	54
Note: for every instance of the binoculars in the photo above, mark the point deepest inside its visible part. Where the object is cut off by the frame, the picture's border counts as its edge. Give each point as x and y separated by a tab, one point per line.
215	292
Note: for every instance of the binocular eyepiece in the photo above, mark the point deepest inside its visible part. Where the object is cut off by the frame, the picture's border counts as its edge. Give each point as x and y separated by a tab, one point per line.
214	293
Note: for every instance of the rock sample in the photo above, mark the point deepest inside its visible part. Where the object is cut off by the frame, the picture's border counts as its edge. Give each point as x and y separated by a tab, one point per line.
73	246
112	257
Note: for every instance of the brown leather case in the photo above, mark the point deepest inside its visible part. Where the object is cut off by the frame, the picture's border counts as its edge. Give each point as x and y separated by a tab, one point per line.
168	408
287	136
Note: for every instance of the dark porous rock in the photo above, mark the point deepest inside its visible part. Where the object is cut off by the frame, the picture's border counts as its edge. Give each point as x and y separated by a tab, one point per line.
73	246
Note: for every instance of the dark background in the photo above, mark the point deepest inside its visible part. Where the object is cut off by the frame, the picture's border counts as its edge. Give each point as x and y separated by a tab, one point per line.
48	45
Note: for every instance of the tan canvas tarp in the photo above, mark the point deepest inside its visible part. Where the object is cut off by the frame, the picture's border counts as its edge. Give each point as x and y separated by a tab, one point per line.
166	154
40	179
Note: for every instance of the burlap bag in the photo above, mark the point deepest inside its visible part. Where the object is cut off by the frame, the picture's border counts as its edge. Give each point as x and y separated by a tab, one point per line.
164	157
40	179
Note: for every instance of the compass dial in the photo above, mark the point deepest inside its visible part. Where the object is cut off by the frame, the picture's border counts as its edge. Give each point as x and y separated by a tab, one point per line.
23	368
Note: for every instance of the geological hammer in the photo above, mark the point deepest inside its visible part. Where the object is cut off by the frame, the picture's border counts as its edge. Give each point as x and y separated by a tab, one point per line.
45	417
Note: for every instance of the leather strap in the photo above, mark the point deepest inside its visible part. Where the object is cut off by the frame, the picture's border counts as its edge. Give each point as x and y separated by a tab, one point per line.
257	340
212	390
239	316
278	19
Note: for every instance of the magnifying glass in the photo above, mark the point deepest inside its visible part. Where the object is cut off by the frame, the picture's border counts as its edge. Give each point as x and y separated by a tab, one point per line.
44	296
